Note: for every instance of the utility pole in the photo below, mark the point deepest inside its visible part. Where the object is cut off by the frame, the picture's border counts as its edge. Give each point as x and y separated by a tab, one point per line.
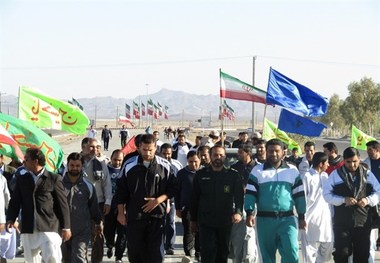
253	104
1	93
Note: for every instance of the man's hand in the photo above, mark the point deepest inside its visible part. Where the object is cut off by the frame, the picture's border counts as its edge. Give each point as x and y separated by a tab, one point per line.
178	213
193	227
236	218
2	227
250	220
106	209
8	226
302	224
66	235
168	206
363	202
350	201
150	205
121	219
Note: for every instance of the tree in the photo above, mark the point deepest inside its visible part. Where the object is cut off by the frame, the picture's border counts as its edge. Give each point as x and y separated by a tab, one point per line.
362	105
333	117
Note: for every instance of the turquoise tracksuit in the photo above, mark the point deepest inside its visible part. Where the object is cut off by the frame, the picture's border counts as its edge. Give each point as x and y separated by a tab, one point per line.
276	192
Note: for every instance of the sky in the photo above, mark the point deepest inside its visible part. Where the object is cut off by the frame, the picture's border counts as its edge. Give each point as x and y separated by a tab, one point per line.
85	49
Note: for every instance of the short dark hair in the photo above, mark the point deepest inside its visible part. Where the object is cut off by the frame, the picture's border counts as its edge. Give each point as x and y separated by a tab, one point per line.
373	144
319	157
274	142
138	139
350	152
75	156
309	144
246	148
191	154
166	146
36	154
199	137
84	141
117	151
260	141
215	147
148	139
331	146
202	148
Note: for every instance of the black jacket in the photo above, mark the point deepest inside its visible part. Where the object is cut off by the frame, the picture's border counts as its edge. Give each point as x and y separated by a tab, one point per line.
216	196
52	210
138	182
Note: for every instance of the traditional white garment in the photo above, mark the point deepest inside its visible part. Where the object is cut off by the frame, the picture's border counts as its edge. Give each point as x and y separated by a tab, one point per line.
317	239
8	243
48	243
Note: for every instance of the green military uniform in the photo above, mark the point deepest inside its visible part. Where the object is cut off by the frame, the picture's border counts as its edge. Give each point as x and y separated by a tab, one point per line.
215	198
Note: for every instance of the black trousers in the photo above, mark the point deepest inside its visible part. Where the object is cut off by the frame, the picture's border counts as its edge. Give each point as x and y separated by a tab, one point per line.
112	226
355	241
106	141
214	243
190	241
145	241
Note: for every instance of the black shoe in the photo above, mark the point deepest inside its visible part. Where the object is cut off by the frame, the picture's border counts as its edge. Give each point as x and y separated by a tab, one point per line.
197	256
169	251
19	250
109	252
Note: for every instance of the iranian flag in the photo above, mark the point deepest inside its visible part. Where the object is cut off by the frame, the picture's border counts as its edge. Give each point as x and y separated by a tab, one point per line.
236	89
6	138
126	120
150	107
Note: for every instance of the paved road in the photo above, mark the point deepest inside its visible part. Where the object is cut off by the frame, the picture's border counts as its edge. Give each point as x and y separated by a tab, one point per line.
71	144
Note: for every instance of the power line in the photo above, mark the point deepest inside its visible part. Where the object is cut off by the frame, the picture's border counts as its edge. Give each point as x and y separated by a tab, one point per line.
184	61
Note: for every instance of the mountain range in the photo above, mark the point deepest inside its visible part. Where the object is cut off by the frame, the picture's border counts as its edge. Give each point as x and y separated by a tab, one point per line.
182	105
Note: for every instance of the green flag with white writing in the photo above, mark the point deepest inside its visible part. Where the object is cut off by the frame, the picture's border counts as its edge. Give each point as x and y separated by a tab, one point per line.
47	112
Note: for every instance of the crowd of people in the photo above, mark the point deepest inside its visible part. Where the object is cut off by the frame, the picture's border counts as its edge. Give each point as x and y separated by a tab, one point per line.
269	201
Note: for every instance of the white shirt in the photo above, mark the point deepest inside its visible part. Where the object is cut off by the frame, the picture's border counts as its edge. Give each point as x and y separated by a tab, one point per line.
318	214
91	133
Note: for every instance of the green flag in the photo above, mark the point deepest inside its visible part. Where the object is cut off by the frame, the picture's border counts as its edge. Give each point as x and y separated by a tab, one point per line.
359	139
271	131
47	112
27	135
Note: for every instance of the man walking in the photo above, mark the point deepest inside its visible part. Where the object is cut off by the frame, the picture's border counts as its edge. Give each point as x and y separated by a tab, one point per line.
352	190
185	179
106	136
170	231
317	239
146	182
243	237
216	204
276	188
41	197
124	135
83	203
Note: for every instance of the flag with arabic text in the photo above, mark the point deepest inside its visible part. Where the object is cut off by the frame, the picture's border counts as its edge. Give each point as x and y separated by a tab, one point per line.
359	139
44	111
236	89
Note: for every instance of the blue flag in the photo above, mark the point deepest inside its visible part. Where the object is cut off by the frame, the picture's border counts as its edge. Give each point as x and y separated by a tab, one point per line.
294	123
289	94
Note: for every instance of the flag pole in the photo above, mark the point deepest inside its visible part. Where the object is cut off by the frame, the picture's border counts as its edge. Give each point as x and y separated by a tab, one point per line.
253	103
220	108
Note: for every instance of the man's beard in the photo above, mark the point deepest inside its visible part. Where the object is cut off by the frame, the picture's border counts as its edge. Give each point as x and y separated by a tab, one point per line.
217	163
74	173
